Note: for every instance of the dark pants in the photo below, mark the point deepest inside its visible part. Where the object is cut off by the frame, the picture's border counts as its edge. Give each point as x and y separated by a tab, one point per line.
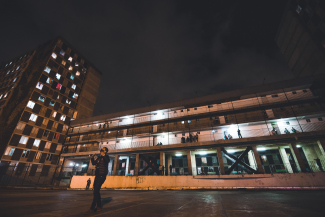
99	180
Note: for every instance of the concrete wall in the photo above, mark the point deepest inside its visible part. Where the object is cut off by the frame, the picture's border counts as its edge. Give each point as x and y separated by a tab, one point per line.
264	181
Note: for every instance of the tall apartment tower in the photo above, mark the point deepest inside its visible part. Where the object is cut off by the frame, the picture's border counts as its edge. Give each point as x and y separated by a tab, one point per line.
301	37
40	93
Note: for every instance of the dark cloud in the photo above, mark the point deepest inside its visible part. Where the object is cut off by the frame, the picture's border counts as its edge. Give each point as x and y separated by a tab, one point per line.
155	51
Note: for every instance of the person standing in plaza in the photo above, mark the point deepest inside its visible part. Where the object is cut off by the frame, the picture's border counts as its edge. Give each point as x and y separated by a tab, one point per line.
101	163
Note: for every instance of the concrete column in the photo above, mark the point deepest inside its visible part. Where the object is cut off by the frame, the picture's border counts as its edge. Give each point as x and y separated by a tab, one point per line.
193	162
110	166
116	165
220	160
257	160
285	159
170	162
189	162
251	159
127	168
162	161
296	155
320	154
311	155
321	145
137	164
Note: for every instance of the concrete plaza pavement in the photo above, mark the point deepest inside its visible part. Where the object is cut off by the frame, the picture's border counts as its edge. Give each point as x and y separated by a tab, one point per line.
22	202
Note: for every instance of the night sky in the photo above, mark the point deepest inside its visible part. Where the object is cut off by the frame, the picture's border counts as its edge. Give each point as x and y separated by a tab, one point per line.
152	52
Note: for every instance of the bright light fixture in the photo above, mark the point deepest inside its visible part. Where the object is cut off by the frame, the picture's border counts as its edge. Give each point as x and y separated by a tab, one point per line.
231	151
84	165
203	153
261	149
178	155
71	164
77	164
298	146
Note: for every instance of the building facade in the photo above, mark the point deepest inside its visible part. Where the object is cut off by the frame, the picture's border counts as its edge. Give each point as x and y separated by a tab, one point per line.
274	128
301	37
40	93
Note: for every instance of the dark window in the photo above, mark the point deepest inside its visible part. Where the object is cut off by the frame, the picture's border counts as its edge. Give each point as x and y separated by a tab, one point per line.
305	91
42	145
275	95
294	92
30	143
320	119
37	108
33	169
40	133
15	140
48	113
49	124
43	78
17	154
25	116
308	120
39	121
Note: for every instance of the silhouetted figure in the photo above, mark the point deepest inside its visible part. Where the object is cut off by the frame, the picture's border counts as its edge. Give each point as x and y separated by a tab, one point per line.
202	171
275	132
183	140
286	131
88	183
187	139
163	170
101	164
229	136
239	133
224	135
293	130
170	170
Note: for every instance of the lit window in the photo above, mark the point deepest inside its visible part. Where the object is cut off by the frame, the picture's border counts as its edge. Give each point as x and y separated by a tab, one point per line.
320	119
62	52
58	86
71	77
47	145
5	96
6	65
307	120
52	103
70	59
54	55
30	104
23	140
41	98
76	64
77	73
20	126
49	81
36	142
10	63
70	68
75	96
189	121
58	97
17	67
73	86
8	72
63	62
59	147
10	151
1	96
68	101
47	69
39	86
58	76
63	118
25	154
14	80
33	117
54	114
182	122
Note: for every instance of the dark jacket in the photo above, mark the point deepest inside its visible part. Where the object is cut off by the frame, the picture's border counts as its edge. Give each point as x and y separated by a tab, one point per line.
96	163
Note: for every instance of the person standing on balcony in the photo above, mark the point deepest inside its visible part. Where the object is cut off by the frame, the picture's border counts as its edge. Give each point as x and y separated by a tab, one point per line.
239	134
101	163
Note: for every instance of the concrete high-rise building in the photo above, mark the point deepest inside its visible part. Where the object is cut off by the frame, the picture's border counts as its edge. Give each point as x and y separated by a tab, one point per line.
301	37
40	93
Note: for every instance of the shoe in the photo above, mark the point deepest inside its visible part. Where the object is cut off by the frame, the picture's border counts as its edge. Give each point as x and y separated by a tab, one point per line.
90	211
98	209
